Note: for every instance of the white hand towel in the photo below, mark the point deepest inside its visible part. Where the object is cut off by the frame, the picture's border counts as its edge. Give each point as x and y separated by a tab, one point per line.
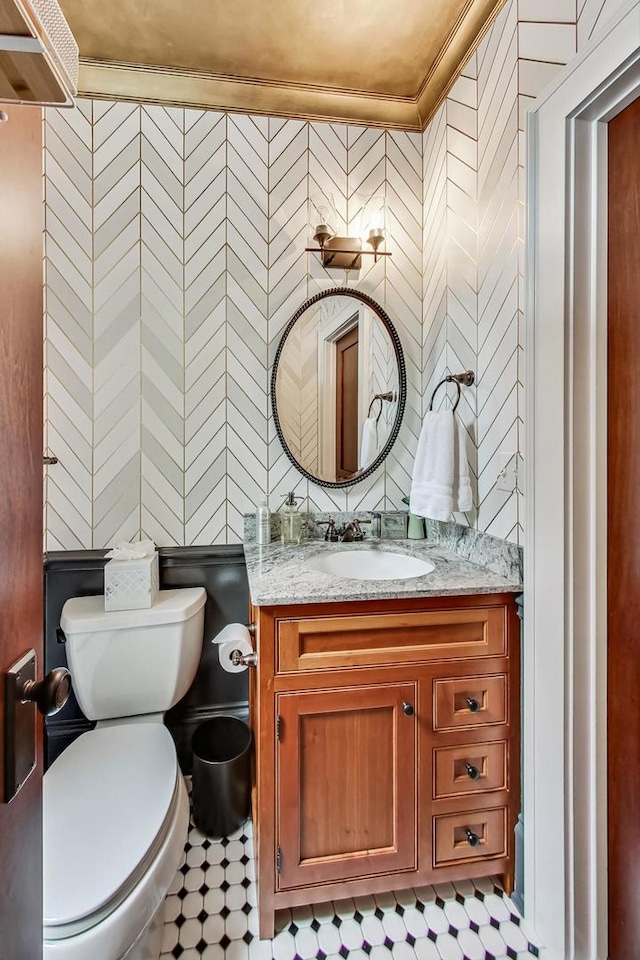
440	483
369	442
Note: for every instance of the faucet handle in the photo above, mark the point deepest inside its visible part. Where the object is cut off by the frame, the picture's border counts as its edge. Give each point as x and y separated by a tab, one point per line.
331	532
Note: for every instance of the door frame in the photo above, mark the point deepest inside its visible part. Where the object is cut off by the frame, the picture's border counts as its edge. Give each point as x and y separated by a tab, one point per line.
564	666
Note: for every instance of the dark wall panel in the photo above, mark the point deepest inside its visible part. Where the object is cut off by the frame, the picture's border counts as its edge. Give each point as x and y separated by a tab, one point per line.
220	570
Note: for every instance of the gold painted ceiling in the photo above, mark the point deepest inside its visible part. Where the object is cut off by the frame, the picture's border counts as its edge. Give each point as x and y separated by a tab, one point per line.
363	61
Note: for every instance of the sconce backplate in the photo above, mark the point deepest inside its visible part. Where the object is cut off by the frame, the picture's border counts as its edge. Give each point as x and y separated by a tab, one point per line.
342	253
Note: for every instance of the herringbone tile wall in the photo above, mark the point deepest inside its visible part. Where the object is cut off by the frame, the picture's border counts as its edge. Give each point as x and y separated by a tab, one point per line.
174	257
473	233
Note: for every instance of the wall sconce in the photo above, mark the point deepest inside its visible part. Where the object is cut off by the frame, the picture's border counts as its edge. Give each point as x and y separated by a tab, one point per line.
345	253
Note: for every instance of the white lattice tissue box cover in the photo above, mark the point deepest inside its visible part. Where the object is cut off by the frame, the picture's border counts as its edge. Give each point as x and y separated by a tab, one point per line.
131	584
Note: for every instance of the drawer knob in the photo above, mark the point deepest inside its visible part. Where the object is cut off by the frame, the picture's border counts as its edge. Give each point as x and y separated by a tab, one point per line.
407	709
473	704
473	772
473	838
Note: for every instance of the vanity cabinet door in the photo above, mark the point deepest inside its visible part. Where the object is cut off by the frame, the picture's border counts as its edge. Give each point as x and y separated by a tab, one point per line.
346	784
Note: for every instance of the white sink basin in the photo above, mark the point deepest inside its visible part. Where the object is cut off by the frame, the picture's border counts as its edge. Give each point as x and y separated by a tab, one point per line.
370	565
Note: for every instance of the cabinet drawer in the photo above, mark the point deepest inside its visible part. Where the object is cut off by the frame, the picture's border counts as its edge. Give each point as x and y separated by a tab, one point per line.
469	702
469	836
468	769
328	643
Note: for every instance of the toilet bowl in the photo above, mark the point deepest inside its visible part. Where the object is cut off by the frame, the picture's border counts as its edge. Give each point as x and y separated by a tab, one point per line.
116	811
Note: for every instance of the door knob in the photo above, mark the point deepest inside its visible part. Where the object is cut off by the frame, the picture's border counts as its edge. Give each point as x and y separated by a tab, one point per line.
473	704
49	694
407	709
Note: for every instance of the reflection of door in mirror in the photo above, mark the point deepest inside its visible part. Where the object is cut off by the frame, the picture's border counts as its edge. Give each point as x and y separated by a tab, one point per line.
333	364
347	432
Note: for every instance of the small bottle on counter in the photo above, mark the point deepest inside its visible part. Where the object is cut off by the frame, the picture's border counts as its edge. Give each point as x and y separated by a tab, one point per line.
290	520
263	522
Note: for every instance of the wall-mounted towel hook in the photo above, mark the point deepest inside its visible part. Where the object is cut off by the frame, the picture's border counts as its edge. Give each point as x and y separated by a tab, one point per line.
467	379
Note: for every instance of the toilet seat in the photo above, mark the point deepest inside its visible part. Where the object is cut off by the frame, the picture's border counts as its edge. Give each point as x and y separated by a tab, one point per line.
109	801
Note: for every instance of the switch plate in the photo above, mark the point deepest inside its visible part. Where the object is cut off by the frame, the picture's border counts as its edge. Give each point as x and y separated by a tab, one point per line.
507	478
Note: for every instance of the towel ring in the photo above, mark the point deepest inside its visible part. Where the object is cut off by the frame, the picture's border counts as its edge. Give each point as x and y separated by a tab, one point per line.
380	396
467	378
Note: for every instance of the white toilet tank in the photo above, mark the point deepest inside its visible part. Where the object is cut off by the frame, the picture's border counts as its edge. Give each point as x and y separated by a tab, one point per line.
133	662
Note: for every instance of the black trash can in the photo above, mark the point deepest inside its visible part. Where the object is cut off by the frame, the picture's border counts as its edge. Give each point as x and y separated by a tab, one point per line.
221	793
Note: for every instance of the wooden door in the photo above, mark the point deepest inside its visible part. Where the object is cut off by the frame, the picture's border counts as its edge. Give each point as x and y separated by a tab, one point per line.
347	405
21	506
623	655
346	784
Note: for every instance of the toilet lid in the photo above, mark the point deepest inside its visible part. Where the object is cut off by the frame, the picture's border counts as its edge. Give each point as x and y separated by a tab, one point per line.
107	800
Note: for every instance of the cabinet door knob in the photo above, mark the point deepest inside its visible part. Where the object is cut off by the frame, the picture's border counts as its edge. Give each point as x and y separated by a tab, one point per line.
473	772
407	709
473	704
473	838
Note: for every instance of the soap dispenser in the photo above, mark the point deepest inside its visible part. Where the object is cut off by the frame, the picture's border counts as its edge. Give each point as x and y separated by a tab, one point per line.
290	519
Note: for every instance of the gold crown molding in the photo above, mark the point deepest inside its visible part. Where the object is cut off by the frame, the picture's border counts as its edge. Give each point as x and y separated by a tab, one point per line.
109	80
113	80
462	43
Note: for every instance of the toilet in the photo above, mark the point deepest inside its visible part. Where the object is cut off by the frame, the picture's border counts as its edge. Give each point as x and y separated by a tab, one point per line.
116	810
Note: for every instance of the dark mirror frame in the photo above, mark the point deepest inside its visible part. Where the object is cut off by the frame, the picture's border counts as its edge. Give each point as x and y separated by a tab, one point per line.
402	383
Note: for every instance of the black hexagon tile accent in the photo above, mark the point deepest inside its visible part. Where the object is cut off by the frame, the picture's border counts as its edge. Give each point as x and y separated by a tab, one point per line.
473	926
315	925
202	916
452	930
494	923
337	922
293	929
321	955
182	893
531	947
388	943
246	908
201	945
358	917
248	937
410	939
179	920
177	950
204	889
366	946
440	903
511	953
378	914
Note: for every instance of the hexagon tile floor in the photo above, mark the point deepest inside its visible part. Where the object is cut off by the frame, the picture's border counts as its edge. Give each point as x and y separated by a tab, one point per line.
211	914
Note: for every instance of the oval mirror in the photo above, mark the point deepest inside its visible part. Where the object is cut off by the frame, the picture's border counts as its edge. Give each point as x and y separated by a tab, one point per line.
338	387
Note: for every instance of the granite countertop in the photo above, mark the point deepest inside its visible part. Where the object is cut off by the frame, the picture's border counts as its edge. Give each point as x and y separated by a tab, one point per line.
278	574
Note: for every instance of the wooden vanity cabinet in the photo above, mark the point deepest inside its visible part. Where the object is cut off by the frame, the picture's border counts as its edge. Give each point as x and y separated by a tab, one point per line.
386	746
